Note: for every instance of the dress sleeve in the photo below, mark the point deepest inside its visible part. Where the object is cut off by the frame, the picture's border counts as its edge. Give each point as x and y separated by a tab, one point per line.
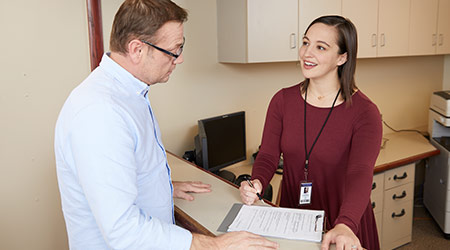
102	144
365	147
268	157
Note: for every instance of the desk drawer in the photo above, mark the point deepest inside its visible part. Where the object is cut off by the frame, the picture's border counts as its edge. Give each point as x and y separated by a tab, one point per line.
377	202
397	225
399	176
398	195
378	184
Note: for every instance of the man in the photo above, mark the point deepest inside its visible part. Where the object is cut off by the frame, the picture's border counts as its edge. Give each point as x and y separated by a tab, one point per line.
113	174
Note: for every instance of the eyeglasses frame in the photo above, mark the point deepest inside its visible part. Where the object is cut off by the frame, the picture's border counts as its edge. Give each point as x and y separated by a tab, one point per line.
166	51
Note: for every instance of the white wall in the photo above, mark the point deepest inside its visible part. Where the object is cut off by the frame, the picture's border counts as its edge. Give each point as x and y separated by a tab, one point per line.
45	55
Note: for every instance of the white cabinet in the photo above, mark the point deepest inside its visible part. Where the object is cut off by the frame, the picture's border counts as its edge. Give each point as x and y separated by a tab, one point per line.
383	26
311	9
443	29
393	27
364	15
251	31
429	27
392	201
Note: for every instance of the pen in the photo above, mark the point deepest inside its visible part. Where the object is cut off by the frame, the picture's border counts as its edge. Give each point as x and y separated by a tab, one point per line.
251	185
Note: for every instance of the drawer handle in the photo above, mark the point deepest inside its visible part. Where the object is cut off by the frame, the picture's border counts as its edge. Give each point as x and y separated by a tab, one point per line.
394	197
374	185
400	214
373	204
401	177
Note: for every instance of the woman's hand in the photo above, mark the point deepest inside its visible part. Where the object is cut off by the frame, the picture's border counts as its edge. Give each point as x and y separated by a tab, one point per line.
343	237
248	194
181	189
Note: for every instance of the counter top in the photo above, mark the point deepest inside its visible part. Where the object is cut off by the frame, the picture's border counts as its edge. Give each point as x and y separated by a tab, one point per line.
206	212
402	148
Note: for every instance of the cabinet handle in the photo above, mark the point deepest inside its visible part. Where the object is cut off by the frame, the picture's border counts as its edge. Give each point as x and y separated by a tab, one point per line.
441	39
382	40
374	40
293	41
374	185
401	177
433	39
373	205
399	215
403	195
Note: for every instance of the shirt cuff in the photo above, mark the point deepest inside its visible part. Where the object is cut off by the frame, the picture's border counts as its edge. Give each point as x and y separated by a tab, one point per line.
181	238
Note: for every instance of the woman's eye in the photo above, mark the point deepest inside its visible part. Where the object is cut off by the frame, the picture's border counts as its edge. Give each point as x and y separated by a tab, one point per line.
305	43
321	48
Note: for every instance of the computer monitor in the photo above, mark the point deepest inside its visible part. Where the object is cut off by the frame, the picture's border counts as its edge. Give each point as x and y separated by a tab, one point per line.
220	141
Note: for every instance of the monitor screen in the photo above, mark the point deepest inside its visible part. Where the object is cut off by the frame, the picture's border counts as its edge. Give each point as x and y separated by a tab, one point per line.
221	141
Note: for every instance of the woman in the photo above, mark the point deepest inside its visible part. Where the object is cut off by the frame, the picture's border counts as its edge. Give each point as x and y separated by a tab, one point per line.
329	133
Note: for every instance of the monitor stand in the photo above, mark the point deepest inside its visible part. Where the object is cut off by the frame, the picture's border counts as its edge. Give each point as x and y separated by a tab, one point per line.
227	175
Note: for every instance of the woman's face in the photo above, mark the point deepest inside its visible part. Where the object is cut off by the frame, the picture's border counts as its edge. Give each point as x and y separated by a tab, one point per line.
319	53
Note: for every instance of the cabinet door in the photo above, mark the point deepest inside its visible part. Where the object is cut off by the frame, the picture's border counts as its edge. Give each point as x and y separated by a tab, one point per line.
422	29
364	15
311	9
272	30
444	27
393	27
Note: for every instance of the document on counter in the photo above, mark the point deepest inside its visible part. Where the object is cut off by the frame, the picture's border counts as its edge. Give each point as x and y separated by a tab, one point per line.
288	223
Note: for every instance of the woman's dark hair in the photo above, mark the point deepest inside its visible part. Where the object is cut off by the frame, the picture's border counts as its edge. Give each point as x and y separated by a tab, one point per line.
140	19
347	42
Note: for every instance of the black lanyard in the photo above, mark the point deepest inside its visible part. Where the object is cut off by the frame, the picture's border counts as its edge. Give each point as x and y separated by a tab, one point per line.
307	155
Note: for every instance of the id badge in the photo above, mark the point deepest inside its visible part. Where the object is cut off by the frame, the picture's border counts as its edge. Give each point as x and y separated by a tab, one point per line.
305	193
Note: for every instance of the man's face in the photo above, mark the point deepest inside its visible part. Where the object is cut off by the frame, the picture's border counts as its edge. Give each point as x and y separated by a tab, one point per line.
157	66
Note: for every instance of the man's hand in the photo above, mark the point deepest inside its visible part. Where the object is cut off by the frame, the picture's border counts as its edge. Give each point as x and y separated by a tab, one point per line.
344	238
181	189
233	241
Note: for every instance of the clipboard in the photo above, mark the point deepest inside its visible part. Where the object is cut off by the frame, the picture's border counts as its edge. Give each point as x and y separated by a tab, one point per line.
230	217
287	223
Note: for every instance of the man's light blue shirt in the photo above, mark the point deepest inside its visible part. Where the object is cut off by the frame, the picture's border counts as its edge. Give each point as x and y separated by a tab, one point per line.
113	175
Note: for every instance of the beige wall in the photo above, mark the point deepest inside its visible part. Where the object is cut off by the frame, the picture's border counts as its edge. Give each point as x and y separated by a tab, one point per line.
202	87
446	80
45	55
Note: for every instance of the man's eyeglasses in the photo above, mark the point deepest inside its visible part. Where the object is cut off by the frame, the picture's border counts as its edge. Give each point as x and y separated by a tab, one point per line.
179	51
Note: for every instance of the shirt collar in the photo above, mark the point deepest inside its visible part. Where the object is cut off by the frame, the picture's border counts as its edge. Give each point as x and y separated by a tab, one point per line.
123	77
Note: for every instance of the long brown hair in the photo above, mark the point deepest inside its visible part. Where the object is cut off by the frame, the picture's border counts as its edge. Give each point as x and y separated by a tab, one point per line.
141	19
347	42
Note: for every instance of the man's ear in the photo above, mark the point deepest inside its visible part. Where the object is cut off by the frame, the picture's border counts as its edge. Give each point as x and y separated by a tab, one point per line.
342	59
136	49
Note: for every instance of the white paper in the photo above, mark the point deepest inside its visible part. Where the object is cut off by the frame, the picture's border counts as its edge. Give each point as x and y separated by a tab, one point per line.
288	223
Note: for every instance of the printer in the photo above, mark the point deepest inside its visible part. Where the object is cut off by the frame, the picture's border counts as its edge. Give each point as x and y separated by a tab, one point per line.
436	195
